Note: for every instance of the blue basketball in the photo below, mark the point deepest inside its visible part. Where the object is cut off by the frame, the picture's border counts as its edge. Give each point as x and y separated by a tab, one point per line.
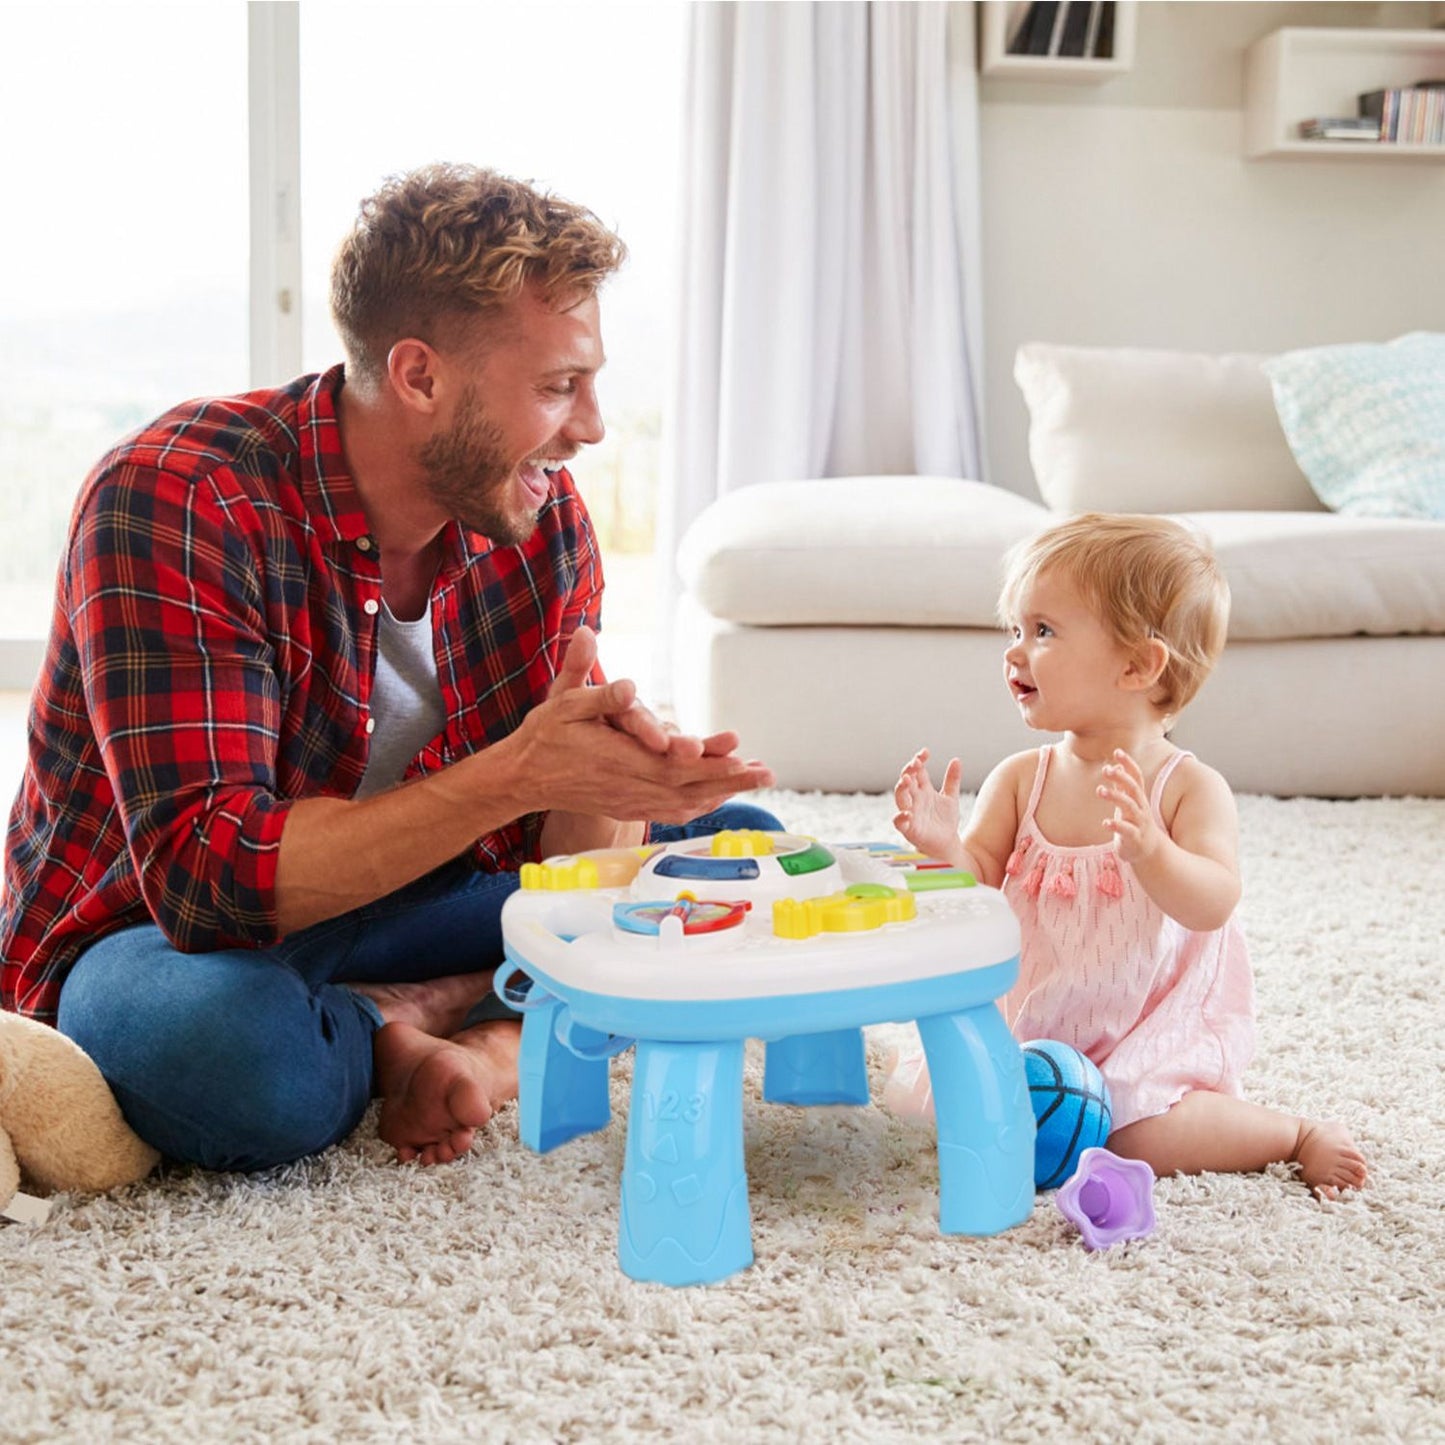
1071	1108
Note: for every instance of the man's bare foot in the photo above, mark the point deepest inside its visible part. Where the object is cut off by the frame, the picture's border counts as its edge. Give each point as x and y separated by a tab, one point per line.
1328	1158
436	1093
435	1006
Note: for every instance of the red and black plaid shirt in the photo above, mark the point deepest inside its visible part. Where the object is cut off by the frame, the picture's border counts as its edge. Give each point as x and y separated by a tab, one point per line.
211	661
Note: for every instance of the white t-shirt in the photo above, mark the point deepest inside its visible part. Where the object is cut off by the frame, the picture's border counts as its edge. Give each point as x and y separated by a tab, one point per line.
406	700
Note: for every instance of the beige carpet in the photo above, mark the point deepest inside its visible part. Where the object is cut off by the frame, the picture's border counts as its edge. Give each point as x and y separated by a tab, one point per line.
349	1299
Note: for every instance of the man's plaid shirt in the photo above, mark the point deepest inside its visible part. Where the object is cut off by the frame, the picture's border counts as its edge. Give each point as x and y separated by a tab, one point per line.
211	661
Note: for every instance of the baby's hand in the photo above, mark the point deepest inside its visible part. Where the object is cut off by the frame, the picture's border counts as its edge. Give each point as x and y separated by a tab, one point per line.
1135	832
927	817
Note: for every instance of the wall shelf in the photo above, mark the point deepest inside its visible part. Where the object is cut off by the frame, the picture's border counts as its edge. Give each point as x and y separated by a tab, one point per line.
998	19
1295	74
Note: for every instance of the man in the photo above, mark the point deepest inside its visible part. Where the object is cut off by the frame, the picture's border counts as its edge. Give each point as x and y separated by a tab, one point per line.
318	683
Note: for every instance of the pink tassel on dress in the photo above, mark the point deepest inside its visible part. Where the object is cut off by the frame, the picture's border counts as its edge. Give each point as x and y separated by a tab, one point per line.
1110	884
1063	885
1016	858
1035	880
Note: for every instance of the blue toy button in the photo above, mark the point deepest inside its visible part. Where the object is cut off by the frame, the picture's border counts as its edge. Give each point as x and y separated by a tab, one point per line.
689	865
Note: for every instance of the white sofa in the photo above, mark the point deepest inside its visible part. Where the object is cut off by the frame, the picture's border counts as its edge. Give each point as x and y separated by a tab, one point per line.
838	625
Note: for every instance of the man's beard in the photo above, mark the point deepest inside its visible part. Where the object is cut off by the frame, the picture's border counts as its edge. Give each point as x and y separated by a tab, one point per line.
468	474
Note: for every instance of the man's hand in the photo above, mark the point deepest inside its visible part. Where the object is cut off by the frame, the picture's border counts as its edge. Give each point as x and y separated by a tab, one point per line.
926	816
599	751
640	722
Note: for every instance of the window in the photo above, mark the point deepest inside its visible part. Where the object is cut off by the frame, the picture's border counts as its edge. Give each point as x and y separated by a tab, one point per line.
126	290
124	284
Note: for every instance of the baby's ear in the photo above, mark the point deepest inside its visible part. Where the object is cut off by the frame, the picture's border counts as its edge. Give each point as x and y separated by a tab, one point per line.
1146	666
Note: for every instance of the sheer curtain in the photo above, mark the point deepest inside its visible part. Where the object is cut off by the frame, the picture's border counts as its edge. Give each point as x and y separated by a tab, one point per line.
829	308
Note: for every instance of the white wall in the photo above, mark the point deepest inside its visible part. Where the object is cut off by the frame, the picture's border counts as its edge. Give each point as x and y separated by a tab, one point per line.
1124	213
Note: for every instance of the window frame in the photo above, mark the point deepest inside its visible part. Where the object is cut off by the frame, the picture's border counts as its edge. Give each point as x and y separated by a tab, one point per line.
273	58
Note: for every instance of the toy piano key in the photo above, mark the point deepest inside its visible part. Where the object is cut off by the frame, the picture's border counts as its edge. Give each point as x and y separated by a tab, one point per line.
900	867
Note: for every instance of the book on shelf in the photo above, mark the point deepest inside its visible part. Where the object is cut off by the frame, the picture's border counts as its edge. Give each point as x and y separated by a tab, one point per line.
1104	40
1066	29
1017	40
1076	27
1340	127
1041	26
1408	114
1056	36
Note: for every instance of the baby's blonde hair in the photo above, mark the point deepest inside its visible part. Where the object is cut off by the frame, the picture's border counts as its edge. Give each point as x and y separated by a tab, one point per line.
1145	577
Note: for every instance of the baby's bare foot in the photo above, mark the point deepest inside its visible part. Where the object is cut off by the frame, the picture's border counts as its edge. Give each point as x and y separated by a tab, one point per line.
1328	1158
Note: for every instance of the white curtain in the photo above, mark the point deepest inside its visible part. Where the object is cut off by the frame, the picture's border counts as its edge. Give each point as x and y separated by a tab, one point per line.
829	308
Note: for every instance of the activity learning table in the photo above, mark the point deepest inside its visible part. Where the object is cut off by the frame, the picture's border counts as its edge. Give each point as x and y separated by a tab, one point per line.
687	950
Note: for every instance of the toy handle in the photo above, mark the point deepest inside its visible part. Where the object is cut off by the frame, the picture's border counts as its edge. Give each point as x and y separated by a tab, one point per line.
521	994
585	1042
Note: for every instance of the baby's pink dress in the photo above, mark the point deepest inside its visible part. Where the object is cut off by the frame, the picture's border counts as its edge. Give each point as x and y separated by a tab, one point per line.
1160	1009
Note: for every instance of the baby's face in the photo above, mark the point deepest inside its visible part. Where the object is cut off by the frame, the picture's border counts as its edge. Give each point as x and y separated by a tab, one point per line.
1062	665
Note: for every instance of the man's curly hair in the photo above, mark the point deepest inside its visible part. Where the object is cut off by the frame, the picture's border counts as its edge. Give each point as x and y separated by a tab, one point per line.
438	248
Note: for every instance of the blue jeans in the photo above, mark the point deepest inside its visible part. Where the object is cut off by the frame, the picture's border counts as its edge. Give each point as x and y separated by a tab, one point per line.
248	1058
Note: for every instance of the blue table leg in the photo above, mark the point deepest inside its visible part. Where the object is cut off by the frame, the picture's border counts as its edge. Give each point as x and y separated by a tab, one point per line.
559	1096
816	1069
685	1216
985	1121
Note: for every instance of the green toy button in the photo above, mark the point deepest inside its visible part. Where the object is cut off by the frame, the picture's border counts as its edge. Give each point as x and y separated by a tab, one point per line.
927	879
812	859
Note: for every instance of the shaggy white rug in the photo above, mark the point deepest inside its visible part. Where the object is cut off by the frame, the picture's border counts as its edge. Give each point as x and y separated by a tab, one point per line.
347	1298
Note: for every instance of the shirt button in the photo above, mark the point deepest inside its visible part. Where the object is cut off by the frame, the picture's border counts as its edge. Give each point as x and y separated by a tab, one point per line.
371	607
363	544
370	725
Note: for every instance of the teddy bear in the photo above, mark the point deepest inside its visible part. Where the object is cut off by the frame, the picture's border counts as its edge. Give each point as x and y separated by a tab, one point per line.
60	1127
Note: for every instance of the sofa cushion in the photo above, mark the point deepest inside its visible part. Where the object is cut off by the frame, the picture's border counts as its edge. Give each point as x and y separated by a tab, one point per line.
1367	423
895	551
1117	429
1314	574
928	552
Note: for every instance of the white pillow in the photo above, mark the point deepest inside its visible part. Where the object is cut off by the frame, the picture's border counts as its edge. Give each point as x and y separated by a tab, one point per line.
1367	423
1121	429
856	552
